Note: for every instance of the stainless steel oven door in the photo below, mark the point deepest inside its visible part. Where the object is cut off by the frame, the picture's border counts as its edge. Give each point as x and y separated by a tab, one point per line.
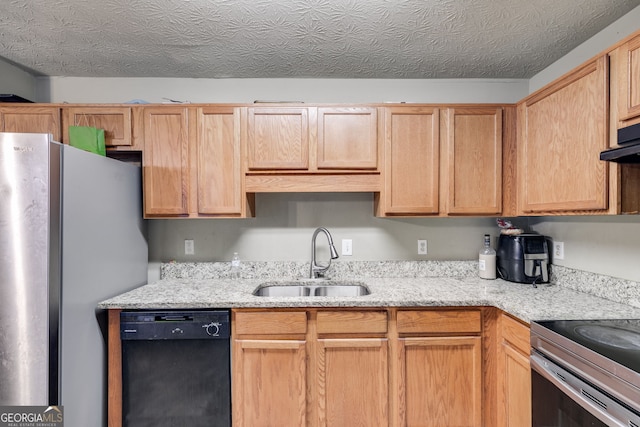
561	399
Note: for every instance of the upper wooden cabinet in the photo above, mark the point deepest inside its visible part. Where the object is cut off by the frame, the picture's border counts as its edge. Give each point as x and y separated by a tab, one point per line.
472	160
625	93
192	162
347	138
562	130
277	138
31	119
166	161
312	138
218	163
116	122
412	159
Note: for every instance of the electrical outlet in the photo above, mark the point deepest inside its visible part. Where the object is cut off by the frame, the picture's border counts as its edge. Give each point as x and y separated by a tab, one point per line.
189	247
558	250
422	247
347	248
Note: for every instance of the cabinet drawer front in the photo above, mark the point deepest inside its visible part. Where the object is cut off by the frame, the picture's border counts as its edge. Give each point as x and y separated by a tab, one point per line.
264	323
440	321
344	322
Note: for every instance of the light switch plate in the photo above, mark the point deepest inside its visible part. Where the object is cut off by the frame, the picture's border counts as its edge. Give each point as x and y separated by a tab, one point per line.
347	247
189	247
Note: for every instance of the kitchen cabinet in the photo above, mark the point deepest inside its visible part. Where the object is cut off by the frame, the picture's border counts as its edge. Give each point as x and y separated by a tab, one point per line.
352	368
278	138
31	119
439	369
472	160
306	148
192	162
624	178
269	369
166	161
310	367
218	163
412	160
116	122
562	130
625	93
513	373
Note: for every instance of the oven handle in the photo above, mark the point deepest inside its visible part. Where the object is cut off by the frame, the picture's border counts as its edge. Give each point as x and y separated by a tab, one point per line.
572	386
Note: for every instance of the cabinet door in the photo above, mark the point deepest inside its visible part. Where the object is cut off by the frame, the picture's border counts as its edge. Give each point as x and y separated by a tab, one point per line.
165	161
278	138
563	129
347	138
352	381
218	161
412	161
628	82
116	122
473	161
514	374
440	381
269	383
31	120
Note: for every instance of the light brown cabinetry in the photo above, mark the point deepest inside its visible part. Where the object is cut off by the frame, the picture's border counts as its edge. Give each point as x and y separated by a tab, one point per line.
192	162
439	363
412	160
513	373
269	369
472	160
352	368
116	122
625	93
308	148
562	130
218	165
31	119
166	161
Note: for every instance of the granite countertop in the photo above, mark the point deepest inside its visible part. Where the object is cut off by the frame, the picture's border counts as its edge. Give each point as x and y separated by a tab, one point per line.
442	285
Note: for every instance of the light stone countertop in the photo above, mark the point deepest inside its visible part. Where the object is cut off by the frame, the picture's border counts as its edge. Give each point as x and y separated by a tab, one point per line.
452	285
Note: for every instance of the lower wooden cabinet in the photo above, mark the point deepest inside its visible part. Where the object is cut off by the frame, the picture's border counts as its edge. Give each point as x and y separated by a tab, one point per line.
358	367
514	373
439	365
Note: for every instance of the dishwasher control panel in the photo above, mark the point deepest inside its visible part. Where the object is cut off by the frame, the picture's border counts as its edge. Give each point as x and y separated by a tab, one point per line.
175	325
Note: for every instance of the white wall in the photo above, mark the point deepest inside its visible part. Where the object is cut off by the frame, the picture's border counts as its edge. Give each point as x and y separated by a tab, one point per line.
16	81
284	225
599	43
607	245
116	90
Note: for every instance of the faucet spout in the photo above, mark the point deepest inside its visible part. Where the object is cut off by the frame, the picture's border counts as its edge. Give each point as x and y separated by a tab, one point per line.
317	270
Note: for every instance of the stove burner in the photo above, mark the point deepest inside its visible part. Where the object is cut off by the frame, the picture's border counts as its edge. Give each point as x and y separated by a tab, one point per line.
610	336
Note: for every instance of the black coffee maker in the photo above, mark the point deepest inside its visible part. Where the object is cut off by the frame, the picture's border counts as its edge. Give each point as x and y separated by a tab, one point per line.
523	258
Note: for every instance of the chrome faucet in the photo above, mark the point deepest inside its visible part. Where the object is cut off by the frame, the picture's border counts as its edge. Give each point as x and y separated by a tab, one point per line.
316	270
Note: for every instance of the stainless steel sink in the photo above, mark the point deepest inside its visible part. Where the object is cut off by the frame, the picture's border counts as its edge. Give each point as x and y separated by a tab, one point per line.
312	288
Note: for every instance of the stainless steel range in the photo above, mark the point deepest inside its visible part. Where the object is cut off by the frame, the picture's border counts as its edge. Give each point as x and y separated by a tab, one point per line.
585	373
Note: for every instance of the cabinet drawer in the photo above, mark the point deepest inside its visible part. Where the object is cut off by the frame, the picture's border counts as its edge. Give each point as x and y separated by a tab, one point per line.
440	321
352	322
266	323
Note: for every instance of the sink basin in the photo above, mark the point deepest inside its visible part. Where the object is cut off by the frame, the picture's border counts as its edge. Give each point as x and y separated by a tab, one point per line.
312	288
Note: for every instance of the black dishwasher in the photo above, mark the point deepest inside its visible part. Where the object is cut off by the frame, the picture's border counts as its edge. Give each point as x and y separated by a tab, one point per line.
176	369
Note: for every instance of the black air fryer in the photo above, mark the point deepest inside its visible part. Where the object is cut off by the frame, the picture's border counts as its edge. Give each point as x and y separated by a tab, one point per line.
523	258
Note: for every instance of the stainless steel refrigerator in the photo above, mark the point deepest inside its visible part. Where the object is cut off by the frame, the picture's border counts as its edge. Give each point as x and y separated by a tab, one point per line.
71	235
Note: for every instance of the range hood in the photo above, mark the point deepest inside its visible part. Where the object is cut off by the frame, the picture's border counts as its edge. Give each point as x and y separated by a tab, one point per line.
629	146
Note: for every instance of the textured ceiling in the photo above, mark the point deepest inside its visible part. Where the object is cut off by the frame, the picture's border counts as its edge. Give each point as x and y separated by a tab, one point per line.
298	38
